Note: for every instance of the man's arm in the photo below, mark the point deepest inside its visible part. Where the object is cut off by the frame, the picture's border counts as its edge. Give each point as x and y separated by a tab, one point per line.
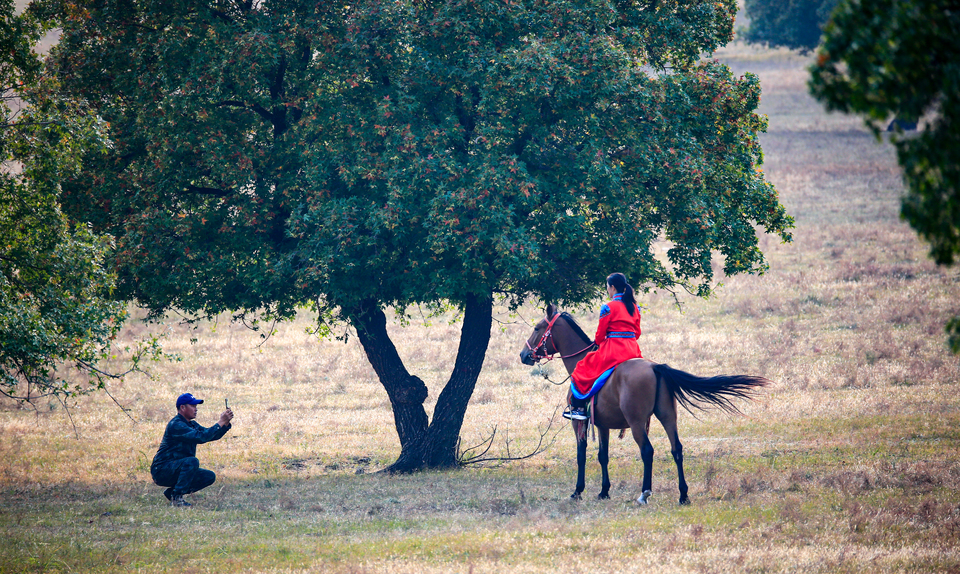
183	432
225	418
224	424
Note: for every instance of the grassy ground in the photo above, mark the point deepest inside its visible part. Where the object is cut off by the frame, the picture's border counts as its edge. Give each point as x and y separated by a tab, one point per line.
848	463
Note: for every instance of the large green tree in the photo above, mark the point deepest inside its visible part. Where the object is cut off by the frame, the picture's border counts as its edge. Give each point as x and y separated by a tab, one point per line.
901	58
57	315
367	155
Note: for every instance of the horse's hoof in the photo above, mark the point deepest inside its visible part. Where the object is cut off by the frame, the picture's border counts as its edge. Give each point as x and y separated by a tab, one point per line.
603	496
684	501
575	496
644	497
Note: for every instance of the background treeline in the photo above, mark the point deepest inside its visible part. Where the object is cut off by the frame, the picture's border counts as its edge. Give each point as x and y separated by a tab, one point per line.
794	24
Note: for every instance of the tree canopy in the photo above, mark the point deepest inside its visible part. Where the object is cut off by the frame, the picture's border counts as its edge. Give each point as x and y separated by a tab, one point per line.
359	156
794	24
902	58
56	307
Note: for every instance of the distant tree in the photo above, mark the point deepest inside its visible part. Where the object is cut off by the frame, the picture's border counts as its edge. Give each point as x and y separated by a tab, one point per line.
56	308
900	58
359	156
794	24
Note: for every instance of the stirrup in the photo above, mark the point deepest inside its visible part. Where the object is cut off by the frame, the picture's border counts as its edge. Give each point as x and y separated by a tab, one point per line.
573	414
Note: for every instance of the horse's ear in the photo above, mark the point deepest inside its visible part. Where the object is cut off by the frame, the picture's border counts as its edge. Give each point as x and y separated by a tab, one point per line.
551	310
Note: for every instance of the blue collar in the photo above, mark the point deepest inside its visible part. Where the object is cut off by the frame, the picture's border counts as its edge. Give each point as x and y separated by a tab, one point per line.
617	296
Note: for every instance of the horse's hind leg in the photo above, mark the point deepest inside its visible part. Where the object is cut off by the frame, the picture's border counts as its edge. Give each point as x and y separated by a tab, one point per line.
646	455
668	418
603	456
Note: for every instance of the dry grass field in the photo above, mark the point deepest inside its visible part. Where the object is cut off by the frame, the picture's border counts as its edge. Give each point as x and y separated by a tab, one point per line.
847	463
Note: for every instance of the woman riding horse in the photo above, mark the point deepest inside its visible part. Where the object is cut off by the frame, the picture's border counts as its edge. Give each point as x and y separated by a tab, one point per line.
637	390
616	342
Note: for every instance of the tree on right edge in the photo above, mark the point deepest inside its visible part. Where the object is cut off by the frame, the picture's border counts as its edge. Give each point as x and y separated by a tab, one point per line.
899	58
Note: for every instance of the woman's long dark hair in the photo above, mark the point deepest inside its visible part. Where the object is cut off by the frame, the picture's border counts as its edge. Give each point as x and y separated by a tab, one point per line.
619	282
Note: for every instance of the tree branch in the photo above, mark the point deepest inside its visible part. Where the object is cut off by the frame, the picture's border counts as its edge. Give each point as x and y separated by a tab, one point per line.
214	191
542	445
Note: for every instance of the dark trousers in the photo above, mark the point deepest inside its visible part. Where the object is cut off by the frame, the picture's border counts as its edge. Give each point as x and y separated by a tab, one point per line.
184	475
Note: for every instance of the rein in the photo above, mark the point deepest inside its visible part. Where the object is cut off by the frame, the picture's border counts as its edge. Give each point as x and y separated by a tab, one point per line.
542	344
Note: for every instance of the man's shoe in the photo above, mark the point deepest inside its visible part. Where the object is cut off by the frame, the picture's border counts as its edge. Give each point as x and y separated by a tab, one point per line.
178	501
576	414
168	493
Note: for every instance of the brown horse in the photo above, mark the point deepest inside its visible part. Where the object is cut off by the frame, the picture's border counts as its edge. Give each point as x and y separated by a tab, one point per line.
637	389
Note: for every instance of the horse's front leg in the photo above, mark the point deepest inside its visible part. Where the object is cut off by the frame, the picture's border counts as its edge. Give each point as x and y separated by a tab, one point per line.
604	457
580	430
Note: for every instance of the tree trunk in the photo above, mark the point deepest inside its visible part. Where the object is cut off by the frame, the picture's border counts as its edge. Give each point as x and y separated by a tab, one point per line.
422	445
406	392
444	431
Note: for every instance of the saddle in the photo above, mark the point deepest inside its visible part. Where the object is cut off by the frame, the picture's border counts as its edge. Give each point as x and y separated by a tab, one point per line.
595	387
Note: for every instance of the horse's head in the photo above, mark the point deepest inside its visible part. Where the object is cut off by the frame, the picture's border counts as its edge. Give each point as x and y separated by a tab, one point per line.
540	345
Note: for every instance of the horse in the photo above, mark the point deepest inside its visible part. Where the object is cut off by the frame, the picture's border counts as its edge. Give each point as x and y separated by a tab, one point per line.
636	390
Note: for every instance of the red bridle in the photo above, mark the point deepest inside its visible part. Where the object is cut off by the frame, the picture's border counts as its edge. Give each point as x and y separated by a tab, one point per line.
547	334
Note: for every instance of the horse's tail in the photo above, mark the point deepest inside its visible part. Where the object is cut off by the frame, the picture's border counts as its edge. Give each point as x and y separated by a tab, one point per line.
689	390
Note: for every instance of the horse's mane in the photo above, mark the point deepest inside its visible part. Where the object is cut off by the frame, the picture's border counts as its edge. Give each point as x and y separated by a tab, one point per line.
576	328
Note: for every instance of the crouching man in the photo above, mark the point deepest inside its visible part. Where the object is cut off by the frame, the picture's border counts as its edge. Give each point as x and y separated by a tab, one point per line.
175	464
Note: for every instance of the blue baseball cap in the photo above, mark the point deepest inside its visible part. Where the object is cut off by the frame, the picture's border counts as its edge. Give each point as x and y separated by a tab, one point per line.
188	399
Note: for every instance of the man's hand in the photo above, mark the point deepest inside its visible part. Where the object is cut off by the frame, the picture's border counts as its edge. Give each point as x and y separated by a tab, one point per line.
225	417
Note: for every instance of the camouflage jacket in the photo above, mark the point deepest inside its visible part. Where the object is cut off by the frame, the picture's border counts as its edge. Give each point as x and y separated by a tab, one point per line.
181	437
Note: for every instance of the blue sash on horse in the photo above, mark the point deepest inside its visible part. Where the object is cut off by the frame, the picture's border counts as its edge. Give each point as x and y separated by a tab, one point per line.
595	387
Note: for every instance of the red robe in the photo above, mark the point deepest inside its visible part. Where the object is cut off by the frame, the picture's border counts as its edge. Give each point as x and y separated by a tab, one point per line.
617	336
